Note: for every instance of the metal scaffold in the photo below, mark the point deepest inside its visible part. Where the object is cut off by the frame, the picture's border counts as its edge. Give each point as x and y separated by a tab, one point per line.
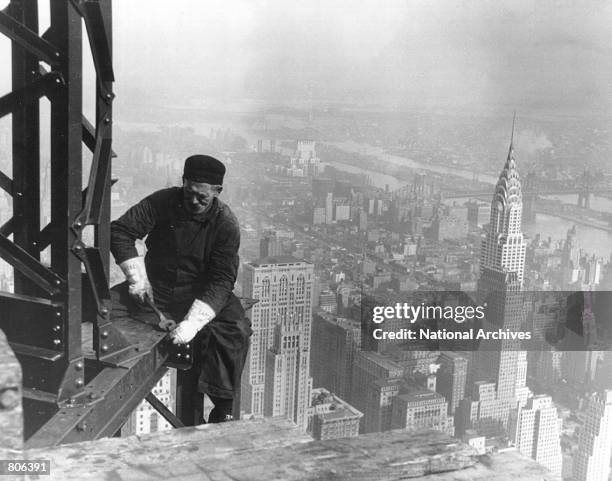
75	387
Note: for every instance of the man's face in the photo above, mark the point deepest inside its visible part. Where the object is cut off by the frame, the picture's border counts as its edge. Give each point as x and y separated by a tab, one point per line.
197	196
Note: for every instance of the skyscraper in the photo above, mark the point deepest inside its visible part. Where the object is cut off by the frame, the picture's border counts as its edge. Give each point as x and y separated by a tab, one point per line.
335	341
592	461
452	378
502	265
287	384
535	431
503	248
281	322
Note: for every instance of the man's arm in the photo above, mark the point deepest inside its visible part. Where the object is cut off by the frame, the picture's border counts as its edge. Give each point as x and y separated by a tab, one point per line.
222	269
136	223
219	280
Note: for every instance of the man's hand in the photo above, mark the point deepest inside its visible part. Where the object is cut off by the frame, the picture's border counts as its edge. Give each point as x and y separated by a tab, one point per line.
136	275
200	314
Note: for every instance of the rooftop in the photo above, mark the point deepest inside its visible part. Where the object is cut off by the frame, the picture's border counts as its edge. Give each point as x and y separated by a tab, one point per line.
274	260
273	449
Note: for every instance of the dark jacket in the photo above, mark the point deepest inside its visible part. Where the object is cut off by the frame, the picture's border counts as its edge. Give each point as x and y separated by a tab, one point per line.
186	256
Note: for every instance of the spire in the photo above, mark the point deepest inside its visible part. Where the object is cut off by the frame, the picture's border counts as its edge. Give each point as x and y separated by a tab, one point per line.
511	149
508	188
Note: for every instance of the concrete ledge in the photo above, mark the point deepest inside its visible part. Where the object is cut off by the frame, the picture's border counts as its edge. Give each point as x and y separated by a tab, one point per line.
11	411
273	449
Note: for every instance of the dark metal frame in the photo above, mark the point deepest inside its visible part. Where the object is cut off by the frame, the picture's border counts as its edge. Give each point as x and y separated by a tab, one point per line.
68	395
43	317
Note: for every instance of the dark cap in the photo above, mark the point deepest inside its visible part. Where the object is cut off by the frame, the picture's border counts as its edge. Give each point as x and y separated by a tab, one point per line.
204	168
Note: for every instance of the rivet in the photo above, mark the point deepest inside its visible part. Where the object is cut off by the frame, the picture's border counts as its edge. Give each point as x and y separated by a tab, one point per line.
79	366
57	54
57	282
104	347
179	355
19	194
57	328
91	395
104	334
57	342
81	426
78	223
104	310
79	382
58	313
106	120
109	96
187	356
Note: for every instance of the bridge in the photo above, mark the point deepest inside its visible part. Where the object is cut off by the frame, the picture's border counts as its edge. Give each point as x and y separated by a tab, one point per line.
585	186
489	193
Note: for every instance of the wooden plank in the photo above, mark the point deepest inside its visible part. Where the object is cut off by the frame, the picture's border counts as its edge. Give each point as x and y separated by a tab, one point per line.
273	449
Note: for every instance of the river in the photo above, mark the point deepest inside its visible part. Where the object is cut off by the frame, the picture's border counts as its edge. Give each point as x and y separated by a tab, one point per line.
590	239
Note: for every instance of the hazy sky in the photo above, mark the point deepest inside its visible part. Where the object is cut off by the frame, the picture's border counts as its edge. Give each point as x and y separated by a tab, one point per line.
553	55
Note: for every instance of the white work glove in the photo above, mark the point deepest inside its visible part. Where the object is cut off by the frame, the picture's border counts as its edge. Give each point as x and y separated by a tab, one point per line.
200	314
136	275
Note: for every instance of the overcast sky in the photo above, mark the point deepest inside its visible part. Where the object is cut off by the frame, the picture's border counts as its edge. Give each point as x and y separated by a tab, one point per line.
526	53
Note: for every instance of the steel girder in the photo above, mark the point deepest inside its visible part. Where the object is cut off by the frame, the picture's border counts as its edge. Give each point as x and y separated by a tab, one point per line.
44	314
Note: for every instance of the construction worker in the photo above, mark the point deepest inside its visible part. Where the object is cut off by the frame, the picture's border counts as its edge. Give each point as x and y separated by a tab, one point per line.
189	271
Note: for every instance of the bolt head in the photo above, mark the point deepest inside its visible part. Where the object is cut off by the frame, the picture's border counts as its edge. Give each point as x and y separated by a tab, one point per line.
104	347
104	310
79	366
104	334
79	382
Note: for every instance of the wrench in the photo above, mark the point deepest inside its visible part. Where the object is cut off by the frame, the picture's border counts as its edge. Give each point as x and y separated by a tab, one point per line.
165	324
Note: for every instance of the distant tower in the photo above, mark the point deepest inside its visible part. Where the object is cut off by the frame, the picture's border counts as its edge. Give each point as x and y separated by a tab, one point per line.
288	384
504	247
284	287
534	429
592	461
502	265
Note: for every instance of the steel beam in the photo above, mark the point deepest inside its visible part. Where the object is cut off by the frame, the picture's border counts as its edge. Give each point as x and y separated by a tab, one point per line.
29	267
161	408
111	394
66	166
26	142
6	183
27	38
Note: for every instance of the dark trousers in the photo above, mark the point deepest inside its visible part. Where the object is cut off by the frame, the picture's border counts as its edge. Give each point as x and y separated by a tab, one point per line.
220	351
